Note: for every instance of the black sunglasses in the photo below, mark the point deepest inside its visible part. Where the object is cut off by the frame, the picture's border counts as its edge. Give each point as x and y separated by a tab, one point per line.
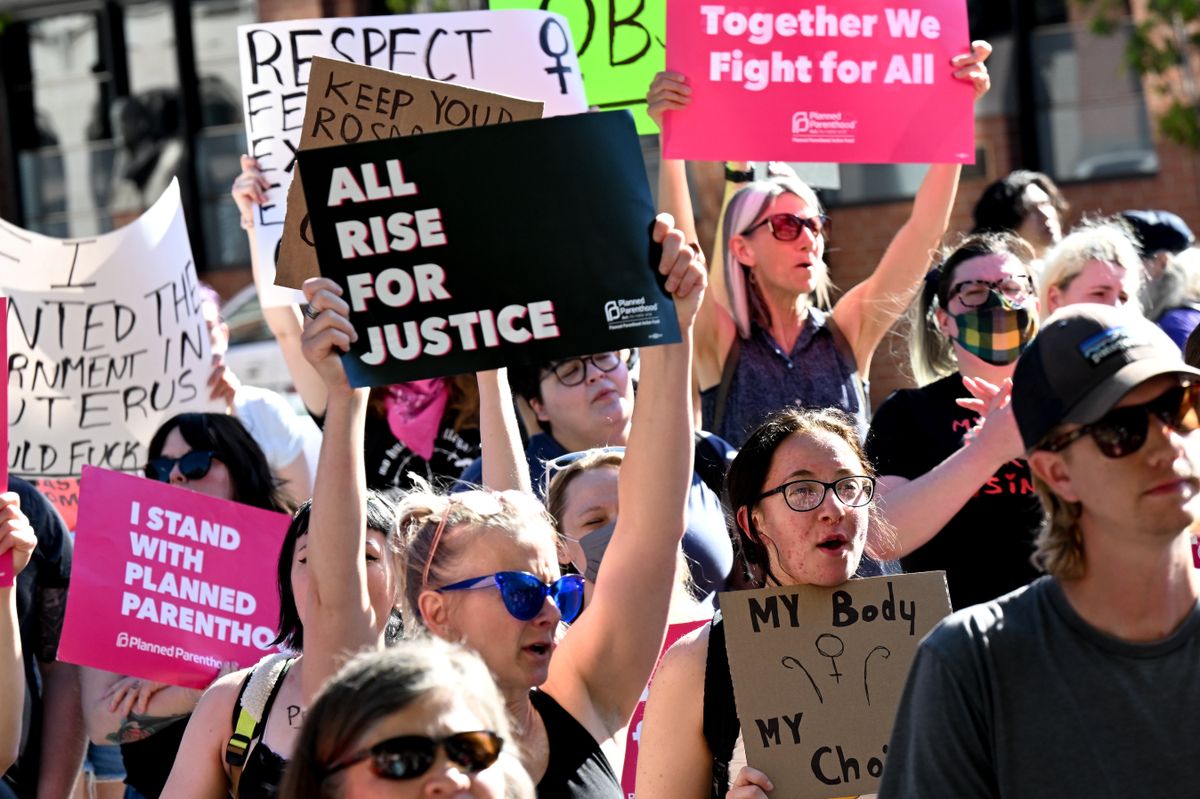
407	757
192	465
787	227
1123	431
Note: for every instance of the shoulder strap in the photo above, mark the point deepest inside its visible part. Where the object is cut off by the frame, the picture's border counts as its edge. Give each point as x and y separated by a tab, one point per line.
251	710
727	373
720	713
862	386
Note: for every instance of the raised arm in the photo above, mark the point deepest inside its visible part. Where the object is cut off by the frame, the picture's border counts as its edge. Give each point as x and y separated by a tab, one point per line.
504	464
339	619
918	509
16	537
868	310
249	189
714	329
613	646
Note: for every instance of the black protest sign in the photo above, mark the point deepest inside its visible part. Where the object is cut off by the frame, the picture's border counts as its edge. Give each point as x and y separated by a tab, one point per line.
474	249
349	103
818	673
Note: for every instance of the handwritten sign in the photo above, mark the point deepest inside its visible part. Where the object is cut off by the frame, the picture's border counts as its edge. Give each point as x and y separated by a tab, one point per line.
818	672
485	261
621	46
520	53
105	342
168	583
348	103
862	82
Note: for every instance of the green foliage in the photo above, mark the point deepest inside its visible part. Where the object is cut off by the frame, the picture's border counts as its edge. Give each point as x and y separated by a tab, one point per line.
1166	39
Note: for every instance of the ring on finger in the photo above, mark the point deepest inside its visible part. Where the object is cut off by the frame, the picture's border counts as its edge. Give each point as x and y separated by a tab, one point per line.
311	311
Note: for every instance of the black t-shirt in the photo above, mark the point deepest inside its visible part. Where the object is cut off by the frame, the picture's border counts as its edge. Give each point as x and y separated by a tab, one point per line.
41	603
985	548
389	461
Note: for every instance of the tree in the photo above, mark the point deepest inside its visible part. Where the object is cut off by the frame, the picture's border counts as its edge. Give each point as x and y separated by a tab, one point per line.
1162	46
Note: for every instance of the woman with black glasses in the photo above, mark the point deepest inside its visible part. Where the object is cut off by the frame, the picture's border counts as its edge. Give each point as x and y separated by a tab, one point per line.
953	483
424	719
768	344
482	567
212	454
800	494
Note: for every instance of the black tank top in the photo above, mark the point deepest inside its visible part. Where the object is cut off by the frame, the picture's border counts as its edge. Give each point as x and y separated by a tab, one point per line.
577	767
721	725
148	762
262	773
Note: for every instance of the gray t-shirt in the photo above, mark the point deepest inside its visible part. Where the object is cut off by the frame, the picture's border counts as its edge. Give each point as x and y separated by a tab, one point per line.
1020	697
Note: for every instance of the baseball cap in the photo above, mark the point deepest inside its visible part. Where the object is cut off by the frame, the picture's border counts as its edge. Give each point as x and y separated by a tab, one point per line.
1084	359
1159	230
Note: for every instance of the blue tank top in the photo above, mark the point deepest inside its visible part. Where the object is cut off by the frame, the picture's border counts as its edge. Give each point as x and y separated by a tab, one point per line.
814	375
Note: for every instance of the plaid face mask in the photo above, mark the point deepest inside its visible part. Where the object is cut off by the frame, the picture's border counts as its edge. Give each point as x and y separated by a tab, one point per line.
997	331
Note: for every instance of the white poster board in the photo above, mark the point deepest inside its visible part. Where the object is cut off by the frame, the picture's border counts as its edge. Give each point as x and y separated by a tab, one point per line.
526	54
105	339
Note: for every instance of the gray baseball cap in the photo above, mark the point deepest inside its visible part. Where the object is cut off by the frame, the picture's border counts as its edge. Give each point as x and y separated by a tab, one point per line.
1083	360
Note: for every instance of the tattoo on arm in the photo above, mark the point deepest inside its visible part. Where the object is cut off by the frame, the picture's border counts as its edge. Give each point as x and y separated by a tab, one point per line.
136	727
52	607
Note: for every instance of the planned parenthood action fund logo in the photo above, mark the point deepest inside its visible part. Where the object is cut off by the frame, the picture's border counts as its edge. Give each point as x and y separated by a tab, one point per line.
817	127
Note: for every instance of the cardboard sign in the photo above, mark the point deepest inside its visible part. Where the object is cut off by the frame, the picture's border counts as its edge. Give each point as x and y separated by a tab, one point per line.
846	82
621	46
519	53
487	260
633	733
168	583
818	673
348	103
105	342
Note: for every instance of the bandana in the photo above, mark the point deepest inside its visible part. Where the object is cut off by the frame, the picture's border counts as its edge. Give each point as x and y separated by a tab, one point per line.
997	331
414	413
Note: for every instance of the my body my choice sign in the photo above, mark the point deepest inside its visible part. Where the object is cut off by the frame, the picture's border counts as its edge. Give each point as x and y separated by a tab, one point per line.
868	81
167	583
818	672
473	249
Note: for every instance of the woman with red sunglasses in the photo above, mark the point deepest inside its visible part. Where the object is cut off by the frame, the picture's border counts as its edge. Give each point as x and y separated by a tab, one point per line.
767	345
482	568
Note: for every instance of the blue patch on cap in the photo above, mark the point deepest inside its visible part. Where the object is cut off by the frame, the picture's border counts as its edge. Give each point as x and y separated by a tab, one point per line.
1105	344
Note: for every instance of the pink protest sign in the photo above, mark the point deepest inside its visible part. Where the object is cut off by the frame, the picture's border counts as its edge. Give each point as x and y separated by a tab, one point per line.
844	81
167	583
6	569
633	733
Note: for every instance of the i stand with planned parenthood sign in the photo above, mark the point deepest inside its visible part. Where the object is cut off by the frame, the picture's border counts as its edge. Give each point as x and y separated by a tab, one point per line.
818	672
461	251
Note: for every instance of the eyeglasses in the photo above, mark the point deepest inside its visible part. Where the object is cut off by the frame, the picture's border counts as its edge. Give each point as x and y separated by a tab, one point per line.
407	757
1123	431
524	594
805	495
193	465
556	465
787	227
573	371
974	293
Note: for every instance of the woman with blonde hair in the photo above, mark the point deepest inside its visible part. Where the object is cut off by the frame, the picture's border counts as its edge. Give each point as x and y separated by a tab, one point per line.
773	345
1096	262
481	567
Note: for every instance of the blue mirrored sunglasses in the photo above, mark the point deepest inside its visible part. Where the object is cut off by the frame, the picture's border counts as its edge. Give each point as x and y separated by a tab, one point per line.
524	594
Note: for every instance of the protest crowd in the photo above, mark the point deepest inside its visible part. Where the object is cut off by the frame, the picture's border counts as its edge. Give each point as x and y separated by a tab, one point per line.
534	535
